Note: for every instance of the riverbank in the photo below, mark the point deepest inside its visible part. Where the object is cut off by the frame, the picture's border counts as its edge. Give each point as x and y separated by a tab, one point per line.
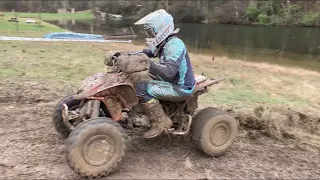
81	15
277	109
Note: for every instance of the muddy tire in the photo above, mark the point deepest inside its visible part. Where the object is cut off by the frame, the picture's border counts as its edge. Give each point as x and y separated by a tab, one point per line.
213	131
58	123
96	147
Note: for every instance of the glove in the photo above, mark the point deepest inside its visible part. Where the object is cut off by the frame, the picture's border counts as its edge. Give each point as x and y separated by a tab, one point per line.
150	45
108	60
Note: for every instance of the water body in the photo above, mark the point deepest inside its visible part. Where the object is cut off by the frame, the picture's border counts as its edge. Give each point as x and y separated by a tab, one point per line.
289	46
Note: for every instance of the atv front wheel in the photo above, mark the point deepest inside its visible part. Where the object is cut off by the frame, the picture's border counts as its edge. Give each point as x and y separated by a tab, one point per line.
213	131
57	119
96	147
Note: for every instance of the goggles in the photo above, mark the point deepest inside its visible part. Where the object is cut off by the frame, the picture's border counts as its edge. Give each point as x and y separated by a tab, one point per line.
150	32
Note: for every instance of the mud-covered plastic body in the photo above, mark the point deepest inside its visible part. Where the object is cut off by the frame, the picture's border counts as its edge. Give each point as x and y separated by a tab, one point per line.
115	90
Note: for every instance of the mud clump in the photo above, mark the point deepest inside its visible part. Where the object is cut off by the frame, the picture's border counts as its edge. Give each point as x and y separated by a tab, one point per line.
278	123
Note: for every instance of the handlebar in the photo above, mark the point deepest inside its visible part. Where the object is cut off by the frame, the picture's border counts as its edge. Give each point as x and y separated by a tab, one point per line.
134	53
112	56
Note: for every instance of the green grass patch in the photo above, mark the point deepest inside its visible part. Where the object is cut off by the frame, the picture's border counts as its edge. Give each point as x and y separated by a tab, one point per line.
5	25
82	15
50	60
236	81
35	34
242	91
246	97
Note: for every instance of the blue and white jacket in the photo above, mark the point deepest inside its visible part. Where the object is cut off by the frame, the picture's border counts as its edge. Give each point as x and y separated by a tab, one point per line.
174	65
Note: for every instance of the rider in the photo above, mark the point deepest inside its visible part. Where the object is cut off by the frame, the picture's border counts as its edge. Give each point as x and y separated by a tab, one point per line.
175	79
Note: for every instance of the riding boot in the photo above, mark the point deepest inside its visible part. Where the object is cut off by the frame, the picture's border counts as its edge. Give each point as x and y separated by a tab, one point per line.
159	121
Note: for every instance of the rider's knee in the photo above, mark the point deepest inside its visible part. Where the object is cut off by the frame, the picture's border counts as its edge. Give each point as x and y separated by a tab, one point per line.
141	91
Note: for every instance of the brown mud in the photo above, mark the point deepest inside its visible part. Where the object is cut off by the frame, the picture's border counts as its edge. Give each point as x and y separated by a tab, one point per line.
273	142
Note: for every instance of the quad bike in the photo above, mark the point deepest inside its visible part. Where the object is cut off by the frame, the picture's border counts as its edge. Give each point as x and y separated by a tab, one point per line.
96	118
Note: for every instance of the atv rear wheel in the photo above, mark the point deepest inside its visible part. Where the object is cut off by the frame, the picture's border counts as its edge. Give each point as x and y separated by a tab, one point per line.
213	131
57	119
96	147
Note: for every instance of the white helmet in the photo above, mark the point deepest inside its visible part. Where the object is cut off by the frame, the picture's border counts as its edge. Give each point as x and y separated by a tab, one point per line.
158	25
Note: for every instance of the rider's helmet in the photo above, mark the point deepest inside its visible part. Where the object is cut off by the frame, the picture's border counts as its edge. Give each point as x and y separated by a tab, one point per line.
158	25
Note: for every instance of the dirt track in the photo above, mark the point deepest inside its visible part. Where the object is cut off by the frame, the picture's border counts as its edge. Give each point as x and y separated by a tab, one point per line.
30	147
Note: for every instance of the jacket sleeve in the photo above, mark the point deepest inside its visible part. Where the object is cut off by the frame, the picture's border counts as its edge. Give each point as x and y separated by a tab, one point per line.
173	54
148	52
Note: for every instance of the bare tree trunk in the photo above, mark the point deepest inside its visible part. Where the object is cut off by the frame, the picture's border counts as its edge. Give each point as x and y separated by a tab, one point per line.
271	7
285	14
17	25
40	18
167	5
206	7
64	4
318	10
236	9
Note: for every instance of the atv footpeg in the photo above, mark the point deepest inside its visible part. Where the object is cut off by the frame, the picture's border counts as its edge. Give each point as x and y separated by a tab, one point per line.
183	129
68	115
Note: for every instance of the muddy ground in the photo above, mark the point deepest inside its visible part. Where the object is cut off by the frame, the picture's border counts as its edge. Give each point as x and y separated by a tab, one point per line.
31	148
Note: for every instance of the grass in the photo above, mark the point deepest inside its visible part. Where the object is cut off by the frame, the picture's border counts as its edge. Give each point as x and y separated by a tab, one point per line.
242	96
81	15
251	84
10	27
49	60
246	84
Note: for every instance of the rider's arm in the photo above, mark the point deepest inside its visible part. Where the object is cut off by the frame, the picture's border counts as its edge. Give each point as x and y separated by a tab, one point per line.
148	52
174	53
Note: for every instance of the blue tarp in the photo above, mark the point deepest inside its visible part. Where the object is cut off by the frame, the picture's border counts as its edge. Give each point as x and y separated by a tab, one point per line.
71	35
